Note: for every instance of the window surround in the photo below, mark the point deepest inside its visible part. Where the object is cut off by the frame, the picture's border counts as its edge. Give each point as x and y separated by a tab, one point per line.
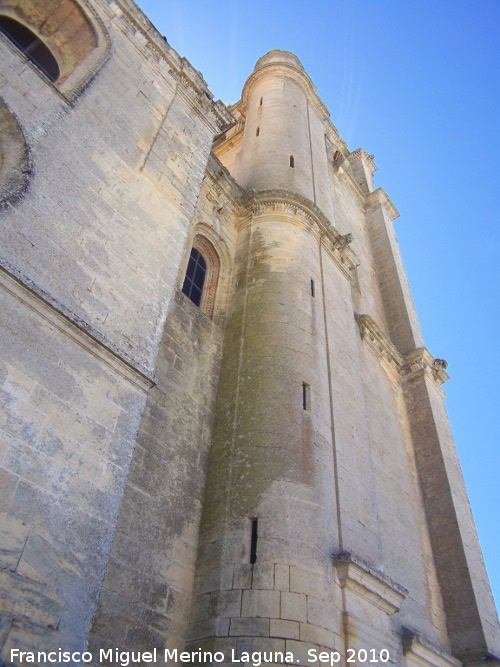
91	41
211	257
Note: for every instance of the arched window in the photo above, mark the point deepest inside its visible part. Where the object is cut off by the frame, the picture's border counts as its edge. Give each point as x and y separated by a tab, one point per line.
31	45
202	274
64	39
195	277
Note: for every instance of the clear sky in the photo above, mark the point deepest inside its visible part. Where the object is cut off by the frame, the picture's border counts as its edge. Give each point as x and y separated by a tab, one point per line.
416	84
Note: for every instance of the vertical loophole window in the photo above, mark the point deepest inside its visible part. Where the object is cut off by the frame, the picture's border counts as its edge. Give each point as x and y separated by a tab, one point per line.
31	45
195	277
253	541
292	162
312	288
261	99
257	132
306	396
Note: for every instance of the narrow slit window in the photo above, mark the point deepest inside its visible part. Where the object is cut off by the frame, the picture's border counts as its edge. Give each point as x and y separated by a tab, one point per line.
292	162
261	99
195	277
253	541
31	45
306	396
312	288
257	132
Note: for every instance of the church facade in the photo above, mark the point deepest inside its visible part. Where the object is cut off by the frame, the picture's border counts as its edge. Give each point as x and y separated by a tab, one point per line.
221	432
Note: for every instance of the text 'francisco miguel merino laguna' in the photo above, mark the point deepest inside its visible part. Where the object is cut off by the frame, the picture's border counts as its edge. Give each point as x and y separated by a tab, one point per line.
109	657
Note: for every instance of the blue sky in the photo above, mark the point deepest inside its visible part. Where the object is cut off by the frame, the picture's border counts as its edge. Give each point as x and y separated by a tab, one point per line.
415	83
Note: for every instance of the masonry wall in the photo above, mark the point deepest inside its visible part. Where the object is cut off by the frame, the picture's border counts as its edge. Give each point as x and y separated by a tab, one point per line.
141	436
271	458
146	598
69	419
91	246
377	469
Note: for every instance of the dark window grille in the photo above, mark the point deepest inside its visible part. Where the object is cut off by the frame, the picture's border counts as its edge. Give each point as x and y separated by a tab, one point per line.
195	277
31	45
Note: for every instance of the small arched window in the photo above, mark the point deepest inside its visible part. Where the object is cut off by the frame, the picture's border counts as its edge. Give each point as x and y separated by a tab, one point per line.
195	277
202	275
31	45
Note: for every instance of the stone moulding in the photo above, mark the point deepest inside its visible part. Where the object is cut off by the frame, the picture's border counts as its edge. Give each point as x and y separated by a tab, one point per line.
333	136
72	326
376	340
224	192
408	367
380	196
181	69
421	362
361	154
283	202
362	579
342	169
418	651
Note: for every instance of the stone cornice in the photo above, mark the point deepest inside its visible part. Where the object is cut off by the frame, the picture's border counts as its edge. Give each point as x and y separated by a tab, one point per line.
284	63
380	196
409	367
301	209
420	362
216	113
224	191
333	135
380	345
342	168
73	326
419	651
361	154
359	577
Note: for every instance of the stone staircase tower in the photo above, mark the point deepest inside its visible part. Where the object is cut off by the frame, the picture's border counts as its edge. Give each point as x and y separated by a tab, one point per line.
314	532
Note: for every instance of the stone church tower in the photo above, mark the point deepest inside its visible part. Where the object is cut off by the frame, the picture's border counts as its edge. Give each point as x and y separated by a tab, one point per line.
221	432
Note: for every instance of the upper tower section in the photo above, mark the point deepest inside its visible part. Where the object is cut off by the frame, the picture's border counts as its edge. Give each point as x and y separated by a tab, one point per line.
283	142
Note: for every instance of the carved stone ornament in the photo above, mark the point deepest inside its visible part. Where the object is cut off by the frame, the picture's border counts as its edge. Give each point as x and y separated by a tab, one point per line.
400	366
308	214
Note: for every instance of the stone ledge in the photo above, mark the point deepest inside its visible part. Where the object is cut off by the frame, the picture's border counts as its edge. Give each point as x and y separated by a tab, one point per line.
216	113
307	213
420	652
421	362
408	367
380	196
364	580
380	345
26	291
